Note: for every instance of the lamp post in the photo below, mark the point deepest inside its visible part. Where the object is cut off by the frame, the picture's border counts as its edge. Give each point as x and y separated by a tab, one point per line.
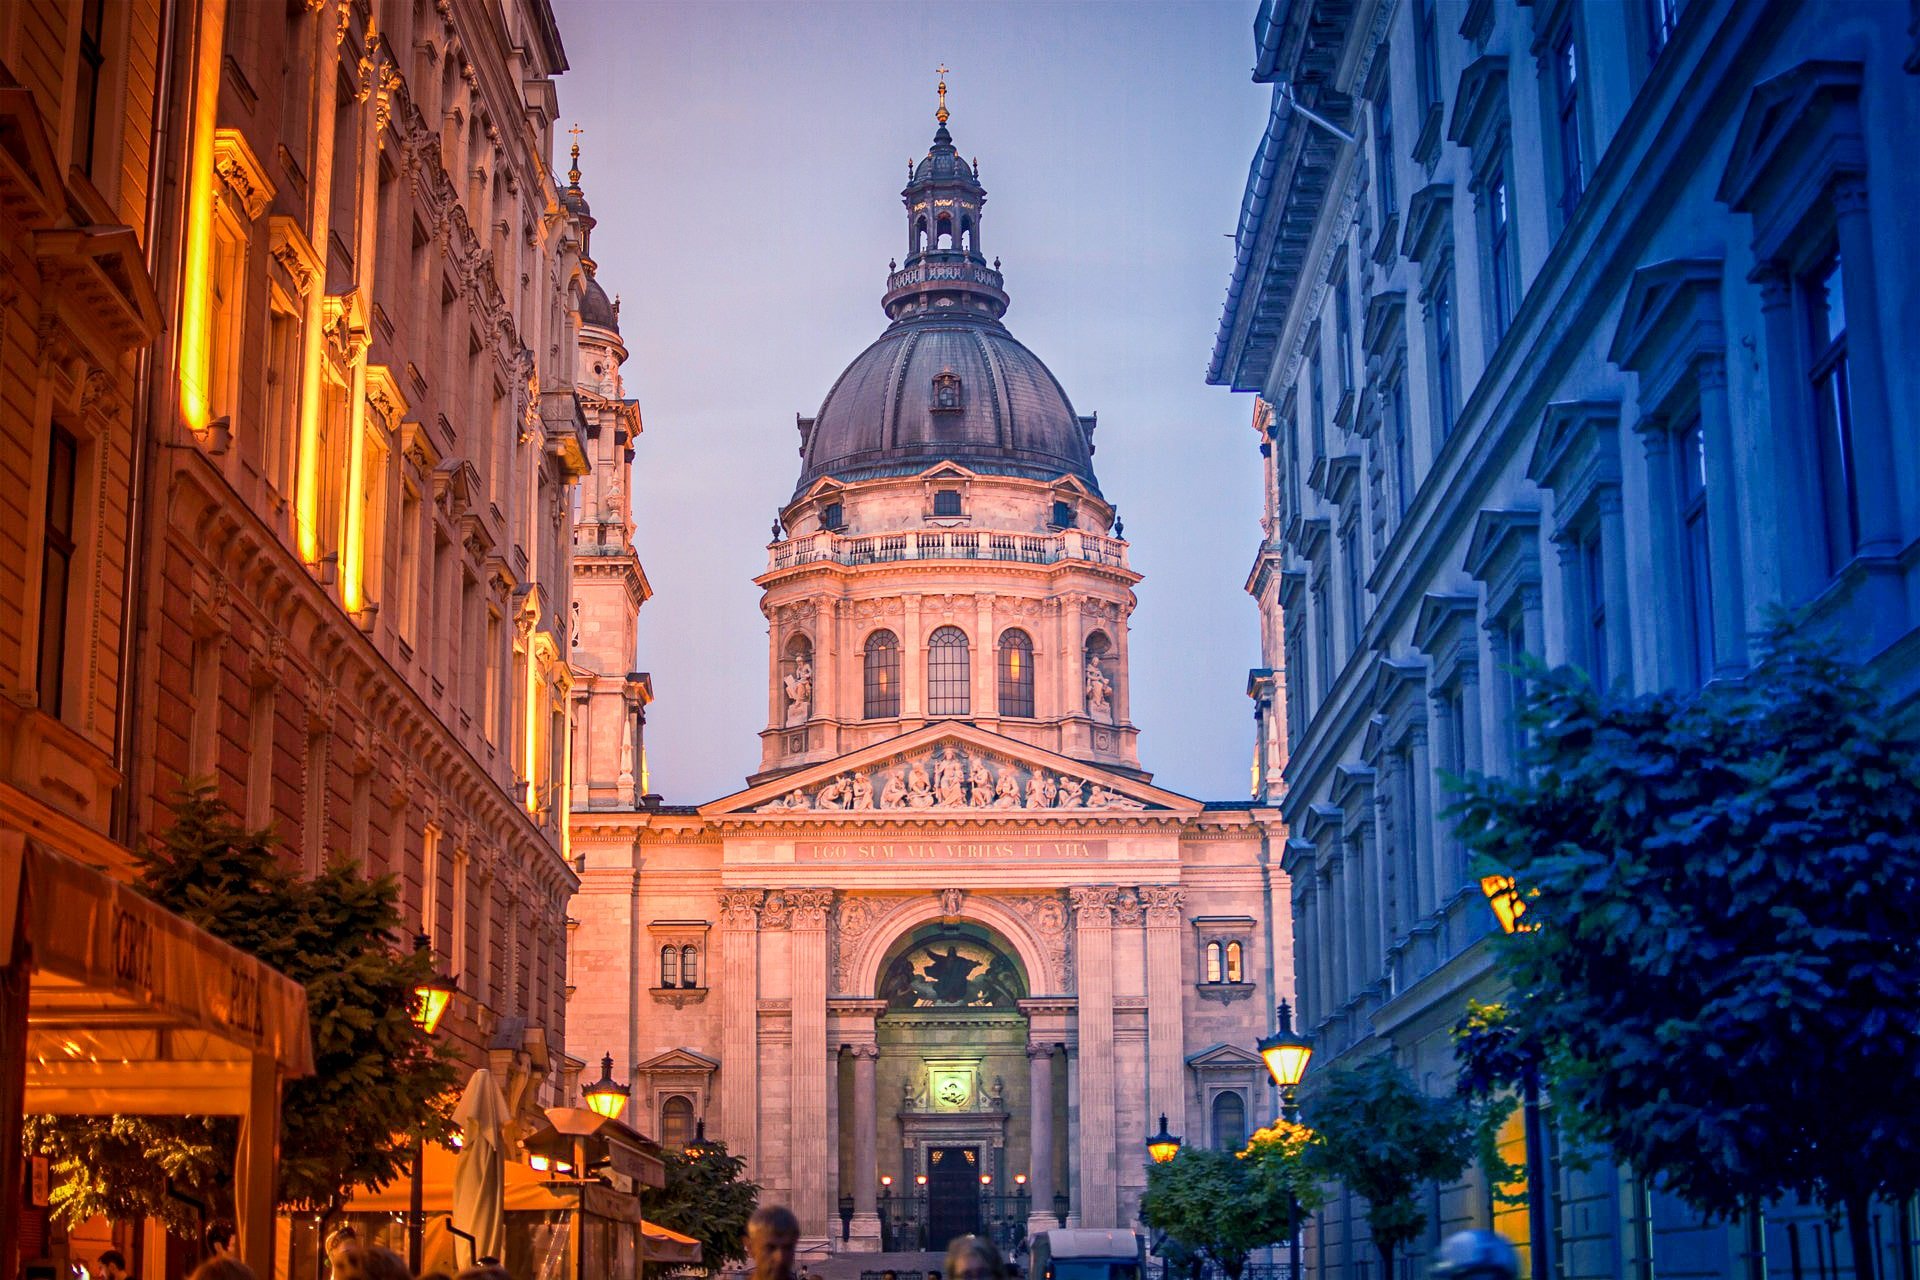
430	1001
1163	1146
607	1096
1287	1054
1510	909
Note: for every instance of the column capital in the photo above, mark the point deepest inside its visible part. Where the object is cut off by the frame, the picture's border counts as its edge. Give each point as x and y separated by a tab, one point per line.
740	908
868	1051
810	907
1093	905
1041	1050
1164	903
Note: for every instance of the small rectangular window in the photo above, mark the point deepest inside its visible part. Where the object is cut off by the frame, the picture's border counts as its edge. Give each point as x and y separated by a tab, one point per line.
1502	278
1316	387
58	546
1593	586
1356	585
1063	515
832	518
1426	35
1383	159
1343	330
1444	378
1566	108
1696	558
1823	299
946	502
86	125
1401	440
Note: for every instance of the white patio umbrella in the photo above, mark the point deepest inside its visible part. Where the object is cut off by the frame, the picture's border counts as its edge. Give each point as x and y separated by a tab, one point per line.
479	1172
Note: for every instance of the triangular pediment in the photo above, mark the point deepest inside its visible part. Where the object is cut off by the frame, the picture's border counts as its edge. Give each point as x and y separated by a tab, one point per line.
679	1060
1225	1055
947	771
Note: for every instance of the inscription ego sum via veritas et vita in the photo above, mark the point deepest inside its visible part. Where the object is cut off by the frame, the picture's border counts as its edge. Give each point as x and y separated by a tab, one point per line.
950	851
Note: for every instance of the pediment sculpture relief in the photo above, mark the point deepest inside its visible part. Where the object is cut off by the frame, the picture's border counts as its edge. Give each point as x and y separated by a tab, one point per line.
950	777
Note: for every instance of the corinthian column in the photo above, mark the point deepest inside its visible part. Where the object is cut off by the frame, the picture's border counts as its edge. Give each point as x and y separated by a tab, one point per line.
1040	1108
1166	1043
809	1164
738	981
1099	1168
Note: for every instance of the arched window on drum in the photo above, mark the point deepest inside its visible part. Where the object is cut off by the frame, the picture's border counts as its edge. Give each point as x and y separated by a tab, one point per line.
948	673
881	661
1016	673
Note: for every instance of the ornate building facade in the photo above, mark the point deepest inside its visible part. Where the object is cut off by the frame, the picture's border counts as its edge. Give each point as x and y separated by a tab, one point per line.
950	952
1587	347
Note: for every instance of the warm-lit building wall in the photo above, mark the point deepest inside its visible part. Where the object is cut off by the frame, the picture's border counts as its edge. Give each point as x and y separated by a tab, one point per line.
353	618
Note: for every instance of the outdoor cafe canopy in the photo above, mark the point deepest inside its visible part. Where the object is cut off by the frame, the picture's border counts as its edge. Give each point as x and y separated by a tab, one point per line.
130	1010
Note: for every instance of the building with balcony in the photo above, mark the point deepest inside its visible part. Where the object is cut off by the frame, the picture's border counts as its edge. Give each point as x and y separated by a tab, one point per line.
1587	348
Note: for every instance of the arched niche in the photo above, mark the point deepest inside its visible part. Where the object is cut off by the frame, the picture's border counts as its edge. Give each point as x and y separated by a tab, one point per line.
1011	930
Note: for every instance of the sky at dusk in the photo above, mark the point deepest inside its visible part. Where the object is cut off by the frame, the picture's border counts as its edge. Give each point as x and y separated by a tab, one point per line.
744	162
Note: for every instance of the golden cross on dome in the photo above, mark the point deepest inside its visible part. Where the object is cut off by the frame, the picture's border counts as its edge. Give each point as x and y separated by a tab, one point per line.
941	114
573	174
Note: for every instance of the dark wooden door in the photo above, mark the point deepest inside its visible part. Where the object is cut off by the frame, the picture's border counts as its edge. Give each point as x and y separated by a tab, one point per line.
953	1194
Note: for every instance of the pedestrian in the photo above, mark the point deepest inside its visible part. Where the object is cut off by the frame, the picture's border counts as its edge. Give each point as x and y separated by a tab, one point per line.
975	1258
343	1240
371	1262
773	1233
485	1269
113	1266
222	1266
221	1239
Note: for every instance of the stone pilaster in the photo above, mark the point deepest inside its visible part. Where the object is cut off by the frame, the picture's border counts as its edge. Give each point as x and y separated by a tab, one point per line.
1166	1040
739	984
1040	1109
1093	910
810	1081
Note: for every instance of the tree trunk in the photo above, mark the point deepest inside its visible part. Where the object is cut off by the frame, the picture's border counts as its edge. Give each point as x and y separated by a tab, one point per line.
1860	1235
1386	1259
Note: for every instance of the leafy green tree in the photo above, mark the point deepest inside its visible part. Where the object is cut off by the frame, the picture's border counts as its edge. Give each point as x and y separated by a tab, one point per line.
1207	1201
1279	1165
379	1081
708	1197
1380	1136
1721	892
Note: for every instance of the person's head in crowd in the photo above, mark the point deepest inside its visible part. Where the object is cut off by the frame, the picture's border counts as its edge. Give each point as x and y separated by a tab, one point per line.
773	1233
975	1258
222	1266
485	1269
222	1241
113	1265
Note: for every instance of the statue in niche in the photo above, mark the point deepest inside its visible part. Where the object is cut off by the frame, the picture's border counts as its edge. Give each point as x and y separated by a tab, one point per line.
893	792
1099	688
1006	795
800	691
1070	792
946	778
862	791
1036	790
837	794
980	784
919	790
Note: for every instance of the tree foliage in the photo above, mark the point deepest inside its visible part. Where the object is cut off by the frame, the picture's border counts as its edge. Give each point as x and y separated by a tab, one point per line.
1279	1166
379	1081
1723	892
707	1197
1208	1201
1383	1138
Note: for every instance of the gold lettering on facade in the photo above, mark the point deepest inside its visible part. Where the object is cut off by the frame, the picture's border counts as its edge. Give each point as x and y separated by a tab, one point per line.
950	850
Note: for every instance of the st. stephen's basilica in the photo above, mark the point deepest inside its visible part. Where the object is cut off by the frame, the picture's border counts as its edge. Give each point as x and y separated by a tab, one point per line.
950	955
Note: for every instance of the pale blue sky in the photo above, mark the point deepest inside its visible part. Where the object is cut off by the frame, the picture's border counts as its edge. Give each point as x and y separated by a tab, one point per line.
744	161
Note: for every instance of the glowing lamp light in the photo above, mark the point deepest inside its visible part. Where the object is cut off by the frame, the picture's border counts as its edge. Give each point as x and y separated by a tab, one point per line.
1019	1179
920	1179
886	1179
1508	905
607	1096
430	998
986	1179
1286	1052
1163	1146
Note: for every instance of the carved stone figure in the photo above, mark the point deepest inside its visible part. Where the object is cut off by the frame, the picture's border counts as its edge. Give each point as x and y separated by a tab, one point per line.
862	791
1099	688
1036	790
893	792
946	779
837	794
1101	798
919	790
980	785
799	692
1070	792
1049	790
1007	793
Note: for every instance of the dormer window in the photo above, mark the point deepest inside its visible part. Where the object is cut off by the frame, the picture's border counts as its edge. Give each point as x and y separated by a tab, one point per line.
1063	515
832	517
946	502
946	392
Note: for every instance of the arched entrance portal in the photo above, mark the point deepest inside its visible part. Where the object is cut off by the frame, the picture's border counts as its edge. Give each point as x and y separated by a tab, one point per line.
953	1088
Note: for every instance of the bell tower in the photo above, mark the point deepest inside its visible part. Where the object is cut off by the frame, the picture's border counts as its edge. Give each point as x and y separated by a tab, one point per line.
945	267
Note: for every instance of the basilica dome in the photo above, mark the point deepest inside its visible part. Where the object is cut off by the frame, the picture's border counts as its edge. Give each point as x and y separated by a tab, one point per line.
946	381
930	391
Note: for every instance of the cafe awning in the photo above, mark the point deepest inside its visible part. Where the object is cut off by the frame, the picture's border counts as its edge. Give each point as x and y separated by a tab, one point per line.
113	1005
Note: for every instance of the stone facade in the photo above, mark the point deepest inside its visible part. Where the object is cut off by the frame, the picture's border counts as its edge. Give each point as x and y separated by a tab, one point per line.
1588	348
353	582
950	923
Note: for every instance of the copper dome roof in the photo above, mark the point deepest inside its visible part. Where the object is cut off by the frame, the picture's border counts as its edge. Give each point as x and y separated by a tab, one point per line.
939	388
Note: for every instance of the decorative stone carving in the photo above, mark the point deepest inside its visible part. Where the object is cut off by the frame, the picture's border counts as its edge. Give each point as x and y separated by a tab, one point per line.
799	683
777	911
810	907
951	777
740	908
1126	908
1093	905
950	900
856	918
1163	903
1046	916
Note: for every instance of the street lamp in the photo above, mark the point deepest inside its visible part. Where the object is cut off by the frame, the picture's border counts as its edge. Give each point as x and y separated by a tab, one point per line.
1509	905
607	1096
1163	1146
430	1001
1287	1054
